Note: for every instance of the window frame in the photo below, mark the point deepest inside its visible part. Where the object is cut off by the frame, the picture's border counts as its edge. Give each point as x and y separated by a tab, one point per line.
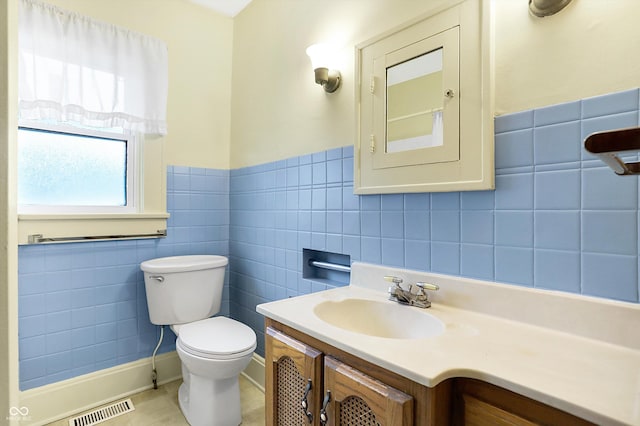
133	171
149	219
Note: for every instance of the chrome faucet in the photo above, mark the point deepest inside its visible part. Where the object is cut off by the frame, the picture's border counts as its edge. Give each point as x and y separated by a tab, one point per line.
418	298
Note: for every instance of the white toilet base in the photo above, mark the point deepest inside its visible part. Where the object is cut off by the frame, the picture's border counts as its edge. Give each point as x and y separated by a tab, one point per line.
206	402
210	392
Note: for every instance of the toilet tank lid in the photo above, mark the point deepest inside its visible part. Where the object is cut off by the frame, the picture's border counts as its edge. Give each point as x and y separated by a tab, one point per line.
163	265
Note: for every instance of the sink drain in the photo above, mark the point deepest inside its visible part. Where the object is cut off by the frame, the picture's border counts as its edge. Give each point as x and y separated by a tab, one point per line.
103	414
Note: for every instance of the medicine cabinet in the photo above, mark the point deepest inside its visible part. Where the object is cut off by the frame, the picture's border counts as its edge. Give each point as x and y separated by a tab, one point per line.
425	115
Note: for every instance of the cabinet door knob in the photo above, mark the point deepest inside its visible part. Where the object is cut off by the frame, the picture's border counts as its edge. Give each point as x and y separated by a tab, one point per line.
323	412
449	93
305	404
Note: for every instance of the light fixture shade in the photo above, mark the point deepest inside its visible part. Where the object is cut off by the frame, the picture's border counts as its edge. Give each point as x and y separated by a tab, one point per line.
320	55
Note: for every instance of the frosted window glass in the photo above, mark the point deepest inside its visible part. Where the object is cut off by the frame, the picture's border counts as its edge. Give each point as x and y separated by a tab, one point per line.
65	169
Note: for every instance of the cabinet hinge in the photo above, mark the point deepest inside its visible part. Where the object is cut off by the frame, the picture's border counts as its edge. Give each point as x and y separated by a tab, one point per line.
372	84
372	144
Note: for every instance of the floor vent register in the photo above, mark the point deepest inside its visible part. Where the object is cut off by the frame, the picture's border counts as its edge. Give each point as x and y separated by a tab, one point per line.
103	414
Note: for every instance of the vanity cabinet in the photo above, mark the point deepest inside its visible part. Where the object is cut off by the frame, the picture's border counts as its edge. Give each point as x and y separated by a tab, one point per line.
301	368
332	384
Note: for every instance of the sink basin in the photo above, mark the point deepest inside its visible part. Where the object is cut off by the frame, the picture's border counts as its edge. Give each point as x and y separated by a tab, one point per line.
379	318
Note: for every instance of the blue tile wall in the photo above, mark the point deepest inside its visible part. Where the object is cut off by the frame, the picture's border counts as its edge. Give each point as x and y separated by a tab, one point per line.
559	218
82	306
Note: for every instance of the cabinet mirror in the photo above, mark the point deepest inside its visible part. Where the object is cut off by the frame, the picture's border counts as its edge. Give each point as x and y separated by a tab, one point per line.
415	103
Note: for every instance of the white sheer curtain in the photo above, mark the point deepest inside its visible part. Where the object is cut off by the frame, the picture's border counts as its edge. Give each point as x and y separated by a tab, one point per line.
75	70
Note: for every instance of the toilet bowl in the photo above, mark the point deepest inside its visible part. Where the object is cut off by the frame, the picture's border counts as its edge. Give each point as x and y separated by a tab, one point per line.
184	292
210	392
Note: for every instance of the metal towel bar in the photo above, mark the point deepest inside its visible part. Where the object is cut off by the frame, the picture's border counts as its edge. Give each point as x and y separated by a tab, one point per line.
40	239
329	265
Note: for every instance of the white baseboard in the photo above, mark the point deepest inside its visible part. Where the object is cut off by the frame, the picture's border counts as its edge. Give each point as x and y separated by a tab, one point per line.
63	399
255	371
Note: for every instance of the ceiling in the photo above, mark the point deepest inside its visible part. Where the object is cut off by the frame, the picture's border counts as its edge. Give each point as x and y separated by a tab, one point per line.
226	7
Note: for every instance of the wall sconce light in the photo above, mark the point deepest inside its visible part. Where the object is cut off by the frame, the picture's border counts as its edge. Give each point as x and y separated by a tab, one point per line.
329	79
542	8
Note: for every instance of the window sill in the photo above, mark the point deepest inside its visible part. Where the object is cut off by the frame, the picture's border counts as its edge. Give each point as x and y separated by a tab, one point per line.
96	226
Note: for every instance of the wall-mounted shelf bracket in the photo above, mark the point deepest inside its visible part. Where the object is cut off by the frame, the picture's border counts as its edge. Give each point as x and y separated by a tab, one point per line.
609	146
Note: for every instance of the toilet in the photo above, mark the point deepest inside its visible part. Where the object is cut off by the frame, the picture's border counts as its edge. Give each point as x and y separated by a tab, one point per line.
184	292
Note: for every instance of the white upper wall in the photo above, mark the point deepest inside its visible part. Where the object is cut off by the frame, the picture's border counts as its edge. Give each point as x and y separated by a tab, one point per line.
199	42
277	112
589	48
277	109
269	107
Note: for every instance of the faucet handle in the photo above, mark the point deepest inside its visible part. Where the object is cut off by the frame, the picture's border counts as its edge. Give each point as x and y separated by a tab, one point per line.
396	289
392	279
427	286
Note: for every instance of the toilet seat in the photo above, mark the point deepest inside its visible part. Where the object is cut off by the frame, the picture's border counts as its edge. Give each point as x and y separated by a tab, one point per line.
217	338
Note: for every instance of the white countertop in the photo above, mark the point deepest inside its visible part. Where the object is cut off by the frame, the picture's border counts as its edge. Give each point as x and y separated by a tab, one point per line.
575	353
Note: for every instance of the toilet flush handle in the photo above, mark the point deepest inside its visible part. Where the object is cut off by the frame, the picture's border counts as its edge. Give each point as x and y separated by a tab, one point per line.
158	278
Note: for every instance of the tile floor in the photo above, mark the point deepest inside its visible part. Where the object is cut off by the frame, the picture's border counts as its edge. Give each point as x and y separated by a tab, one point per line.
160	407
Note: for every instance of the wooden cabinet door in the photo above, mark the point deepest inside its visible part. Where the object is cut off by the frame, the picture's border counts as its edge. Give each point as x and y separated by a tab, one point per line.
293	381
355	399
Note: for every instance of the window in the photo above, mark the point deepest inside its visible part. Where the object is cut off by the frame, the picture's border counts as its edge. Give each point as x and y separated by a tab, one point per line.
64	170
75	183
84	86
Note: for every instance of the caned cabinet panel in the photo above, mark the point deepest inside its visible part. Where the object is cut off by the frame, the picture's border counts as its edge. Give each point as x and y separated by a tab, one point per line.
355	399
292	368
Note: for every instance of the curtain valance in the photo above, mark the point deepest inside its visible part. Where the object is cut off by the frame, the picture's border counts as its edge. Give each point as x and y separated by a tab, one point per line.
75	70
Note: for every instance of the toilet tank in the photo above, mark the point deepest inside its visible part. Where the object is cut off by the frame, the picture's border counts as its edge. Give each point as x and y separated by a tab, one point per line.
182	289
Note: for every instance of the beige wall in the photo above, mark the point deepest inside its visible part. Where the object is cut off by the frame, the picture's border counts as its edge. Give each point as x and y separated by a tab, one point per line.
278	112
8	244
277	109
588	49
199	43
5	387
269	108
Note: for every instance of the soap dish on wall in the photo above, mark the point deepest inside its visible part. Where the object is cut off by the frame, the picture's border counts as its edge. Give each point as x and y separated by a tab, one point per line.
610	145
